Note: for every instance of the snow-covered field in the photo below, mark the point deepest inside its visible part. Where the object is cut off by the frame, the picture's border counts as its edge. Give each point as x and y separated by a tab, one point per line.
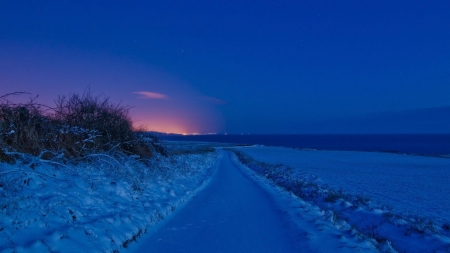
101	205
390	197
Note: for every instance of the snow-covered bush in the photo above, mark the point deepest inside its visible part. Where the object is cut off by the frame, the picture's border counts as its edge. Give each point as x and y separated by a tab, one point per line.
111	121
78	126
23	128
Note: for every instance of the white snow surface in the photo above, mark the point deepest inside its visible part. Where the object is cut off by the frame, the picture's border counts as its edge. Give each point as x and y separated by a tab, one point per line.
405	198
413	184
98	206
202	201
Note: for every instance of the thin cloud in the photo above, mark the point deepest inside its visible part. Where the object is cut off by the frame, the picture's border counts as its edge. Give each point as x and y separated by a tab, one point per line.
151	95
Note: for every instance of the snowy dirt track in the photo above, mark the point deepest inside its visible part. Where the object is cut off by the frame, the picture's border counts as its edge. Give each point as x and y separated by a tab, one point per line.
232	214
235	214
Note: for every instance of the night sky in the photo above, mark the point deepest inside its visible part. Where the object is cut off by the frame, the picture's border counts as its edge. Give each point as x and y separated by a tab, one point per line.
239	66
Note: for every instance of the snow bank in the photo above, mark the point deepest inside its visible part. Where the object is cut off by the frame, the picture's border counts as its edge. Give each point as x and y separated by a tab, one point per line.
100	205
399	201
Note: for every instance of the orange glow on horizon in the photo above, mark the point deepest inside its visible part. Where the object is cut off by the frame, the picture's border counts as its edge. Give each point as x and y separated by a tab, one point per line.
170	126
162	127
178	115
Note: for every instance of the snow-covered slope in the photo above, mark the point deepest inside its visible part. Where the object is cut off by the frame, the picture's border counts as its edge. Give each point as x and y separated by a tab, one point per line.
96	206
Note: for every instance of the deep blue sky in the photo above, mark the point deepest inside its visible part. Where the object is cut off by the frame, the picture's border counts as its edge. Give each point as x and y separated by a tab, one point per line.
239	66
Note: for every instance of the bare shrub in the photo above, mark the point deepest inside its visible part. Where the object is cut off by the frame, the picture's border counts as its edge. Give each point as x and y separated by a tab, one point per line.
79	125
23	127
95	113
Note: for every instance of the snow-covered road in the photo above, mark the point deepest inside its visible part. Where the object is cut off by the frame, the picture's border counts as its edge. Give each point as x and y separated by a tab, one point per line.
232	214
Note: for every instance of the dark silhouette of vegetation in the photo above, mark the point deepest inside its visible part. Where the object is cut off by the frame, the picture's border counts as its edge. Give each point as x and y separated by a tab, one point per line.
79	125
